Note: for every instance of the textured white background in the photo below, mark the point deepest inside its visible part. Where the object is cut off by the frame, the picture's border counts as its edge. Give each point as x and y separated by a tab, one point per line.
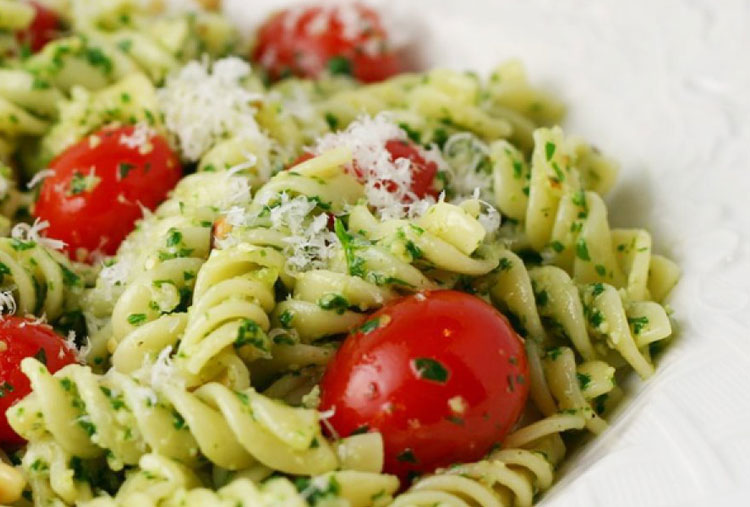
663	86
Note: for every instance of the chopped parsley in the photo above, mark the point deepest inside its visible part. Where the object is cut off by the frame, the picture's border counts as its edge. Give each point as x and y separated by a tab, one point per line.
339	65
582	250
505	264
407	456
20	246
369	326
286	318
136	319
6	388
554	353
430	369
638	323
596	289
174	237
123	168
549	150
335	302
332	120
583	380
4	270
557	246
313	492
250	333
354	262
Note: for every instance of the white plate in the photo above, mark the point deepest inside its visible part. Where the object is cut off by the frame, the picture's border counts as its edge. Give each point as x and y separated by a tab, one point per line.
664	87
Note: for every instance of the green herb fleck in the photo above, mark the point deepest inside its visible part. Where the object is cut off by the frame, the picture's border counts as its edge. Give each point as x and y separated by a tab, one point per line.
136	319
339	65
557	246
582	250
430	369
335	302
250	333
124	168
549	150
583	380
286	319
369	326
407	456
638	323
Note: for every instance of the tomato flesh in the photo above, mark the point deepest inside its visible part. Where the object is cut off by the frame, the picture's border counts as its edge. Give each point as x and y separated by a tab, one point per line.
44	28
441	375
99	186
305	41
21	338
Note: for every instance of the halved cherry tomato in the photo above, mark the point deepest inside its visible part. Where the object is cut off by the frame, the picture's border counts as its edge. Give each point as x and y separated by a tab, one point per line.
20	338
441	375
44	28
344	39
99	185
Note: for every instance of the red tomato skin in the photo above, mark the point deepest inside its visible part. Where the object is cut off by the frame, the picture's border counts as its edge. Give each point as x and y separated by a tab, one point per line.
98	219
423	171
21	338
372	382
43	28
289	43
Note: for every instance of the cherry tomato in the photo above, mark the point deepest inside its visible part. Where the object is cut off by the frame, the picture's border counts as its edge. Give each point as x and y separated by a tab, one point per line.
344	39
99	185
441	375
45	27
423	171
20	338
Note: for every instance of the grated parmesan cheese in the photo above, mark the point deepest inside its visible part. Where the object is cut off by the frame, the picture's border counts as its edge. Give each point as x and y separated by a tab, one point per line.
159	373
387	181
25	232
70	344
309	242
7	303
39	177
465	153
139	139
203	103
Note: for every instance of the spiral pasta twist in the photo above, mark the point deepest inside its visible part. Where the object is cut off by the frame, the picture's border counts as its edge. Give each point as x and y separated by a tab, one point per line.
42	280
505	477
156	266
549	308
90	415
233	294
164	482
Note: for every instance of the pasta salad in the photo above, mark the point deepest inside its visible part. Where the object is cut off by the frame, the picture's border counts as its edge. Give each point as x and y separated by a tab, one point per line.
293	271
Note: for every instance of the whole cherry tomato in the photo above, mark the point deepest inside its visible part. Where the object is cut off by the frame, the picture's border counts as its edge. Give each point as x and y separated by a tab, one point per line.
343	39
21	338
44	28
441	375
100	185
